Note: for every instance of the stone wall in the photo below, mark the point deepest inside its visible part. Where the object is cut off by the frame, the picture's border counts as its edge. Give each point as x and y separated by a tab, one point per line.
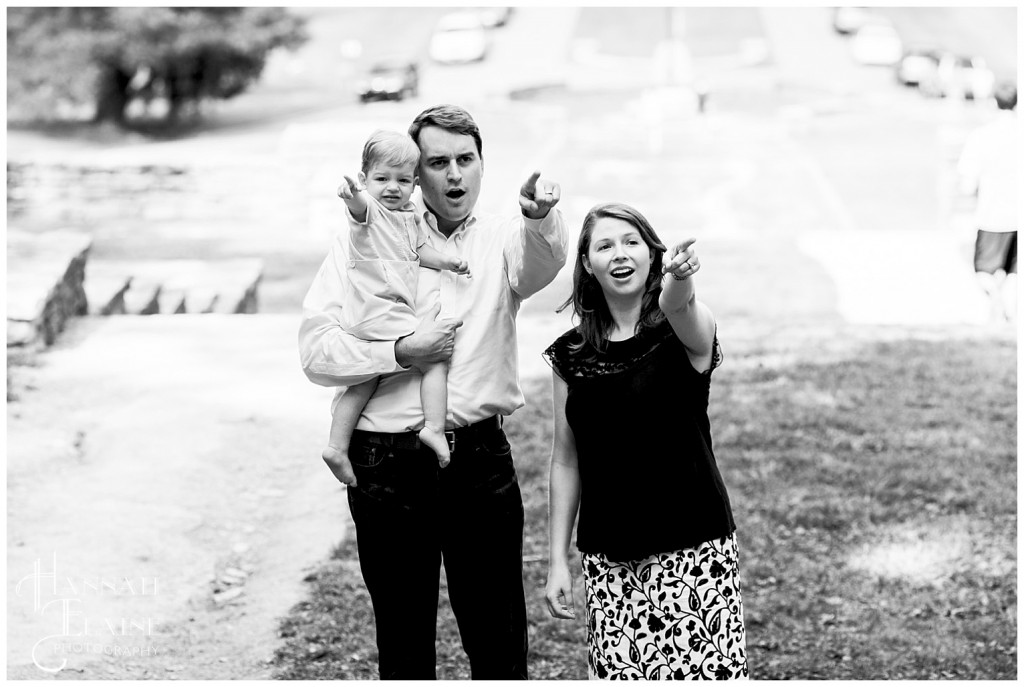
212	211
202	191
45	284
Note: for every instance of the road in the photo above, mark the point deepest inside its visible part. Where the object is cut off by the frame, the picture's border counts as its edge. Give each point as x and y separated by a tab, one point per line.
808	141
874	156
988	32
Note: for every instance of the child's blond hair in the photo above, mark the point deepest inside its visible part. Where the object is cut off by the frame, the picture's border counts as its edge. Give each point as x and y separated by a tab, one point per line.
389	148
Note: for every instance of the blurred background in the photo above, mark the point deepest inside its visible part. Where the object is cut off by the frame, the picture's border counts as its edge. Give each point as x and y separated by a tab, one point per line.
171	177
833	118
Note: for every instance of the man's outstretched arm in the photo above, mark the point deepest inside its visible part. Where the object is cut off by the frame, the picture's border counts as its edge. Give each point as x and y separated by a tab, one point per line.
536	252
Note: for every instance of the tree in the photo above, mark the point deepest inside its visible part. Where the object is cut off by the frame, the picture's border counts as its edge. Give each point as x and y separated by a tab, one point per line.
107	56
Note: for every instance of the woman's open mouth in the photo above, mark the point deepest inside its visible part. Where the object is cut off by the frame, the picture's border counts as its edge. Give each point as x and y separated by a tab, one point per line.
622	272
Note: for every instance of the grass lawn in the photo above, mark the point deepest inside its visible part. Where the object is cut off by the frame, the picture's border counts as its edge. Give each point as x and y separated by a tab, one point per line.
873	480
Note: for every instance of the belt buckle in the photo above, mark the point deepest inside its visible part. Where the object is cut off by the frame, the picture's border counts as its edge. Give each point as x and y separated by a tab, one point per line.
449	436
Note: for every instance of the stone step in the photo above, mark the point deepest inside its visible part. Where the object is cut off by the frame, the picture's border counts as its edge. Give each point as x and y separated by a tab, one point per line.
105	295
171	302
45	283
184	286
143	298
200	300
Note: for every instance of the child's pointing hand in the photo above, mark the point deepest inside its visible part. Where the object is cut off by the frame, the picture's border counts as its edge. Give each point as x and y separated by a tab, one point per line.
349	189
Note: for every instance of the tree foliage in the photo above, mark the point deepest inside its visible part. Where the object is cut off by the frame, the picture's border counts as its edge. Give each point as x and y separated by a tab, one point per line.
104	57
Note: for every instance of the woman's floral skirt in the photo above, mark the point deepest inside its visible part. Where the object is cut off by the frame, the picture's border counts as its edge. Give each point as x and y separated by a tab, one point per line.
676	615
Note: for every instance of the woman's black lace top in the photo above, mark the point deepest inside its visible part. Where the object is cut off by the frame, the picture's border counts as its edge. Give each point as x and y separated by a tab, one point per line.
638	414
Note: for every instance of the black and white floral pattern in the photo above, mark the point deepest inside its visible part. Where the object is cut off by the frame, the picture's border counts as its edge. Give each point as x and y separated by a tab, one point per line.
676	615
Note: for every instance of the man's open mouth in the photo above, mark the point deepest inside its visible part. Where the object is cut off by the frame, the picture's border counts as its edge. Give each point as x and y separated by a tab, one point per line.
455	193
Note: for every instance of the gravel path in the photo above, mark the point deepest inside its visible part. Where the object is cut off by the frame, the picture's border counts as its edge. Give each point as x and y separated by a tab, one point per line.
165	497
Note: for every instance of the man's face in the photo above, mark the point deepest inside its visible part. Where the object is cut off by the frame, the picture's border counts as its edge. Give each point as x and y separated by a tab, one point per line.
450	173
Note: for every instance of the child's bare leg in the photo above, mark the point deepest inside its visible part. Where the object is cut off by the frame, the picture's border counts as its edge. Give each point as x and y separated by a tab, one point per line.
434	397
346	415
1010	296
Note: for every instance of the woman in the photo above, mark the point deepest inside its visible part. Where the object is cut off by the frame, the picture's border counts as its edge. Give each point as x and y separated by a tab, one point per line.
632	456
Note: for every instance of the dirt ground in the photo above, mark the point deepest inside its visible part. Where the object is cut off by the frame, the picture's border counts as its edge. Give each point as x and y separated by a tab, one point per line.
165	502
163	533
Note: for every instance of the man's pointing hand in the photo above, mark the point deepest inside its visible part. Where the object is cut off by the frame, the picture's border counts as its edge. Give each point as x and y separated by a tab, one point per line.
537	196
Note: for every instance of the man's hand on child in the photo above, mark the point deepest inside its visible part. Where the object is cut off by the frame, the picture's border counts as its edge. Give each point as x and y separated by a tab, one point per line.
432	341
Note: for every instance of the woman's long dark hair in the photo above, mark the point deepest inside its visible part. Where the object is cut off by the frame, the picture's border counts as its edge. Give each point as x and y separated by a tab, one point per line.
588	301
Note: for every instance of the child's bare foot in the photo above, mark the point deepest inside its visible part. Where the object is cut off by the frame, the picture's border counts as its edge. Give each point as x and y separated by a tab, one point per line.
437	443
340	465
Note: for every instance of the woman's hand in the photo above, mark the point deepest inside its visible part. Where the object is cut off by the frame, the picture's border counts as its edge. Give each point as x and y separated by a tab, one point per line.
691	320
681	261
559	593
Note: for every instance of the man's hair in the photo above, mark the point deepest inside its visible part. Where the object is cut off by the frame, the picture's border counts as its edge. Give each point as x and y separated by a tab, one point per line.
1006	95
450	118
389	148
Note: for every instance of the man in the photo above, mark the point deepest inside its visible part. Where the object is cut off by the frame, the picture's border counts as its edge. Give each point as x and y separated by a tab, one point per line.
988	168
409	513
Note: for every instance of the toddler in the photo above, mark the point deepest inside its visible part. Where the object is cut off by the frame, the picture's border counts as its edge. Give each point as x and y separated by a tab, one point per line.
386	248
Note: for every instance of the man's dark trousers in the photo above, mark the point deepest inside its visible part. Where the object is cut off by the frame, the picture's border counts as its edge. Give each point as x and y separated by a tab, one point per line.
411	515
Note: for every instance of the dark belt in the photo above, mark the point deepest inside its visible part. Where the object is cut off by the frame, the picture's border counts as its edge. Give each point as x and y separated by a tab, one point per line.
410	441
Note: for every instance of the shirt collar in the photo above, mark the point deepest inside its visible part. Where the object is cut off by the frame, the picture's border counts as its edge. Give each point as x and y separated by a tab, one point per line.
431	220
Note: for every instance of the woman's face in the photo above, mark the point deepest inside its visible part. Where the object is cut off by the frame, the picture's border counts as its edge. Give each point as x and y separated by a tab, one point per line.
619	258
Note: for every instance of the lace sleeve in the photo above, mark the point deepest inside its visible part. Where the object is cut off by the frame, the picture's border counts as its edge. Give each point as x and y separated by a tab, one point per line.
716	355
557	355
716	360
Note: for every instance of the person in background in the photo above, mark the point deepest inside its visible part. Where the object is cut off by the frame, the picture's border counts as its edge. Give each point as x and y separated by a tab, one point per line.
410	515
988	168
632	457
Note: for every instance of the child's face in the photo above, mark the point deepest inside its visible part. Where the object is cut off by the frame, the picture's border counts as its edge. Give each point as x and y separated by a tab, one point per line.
392	185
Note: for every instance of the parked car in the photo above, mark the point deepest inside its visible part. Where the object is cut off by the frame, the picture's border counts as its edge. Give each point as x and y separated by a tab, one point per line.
877	43
459	37
918	65
494	17
960	76
846	20
393	79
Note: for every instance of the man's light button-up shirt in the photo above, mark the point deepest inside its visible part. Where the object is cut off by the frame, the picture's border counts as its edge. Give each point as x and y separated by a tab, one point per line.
510	259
